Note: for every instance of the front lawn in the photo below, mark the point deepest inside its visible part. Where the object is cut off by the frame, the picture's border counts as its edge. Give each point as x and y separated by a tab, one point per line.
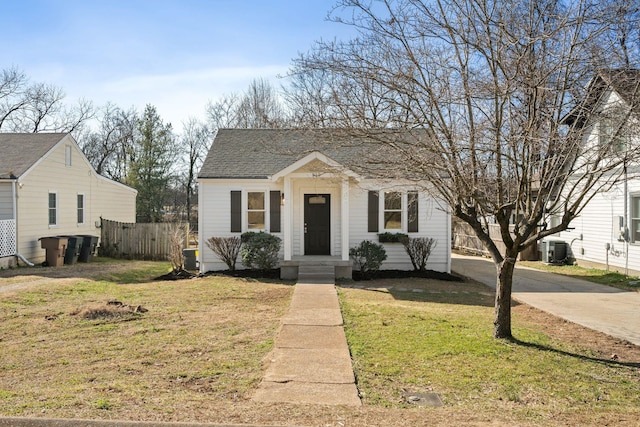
106	341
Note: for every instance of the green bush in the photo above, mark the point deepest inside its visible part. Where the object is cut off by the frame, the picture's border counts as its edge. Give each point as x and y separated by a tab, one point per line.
368	256
391	237
260	250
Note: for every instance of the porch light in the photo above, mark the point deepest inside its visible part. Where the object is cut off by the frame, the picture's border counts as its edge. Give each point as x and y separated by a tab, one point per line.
282	199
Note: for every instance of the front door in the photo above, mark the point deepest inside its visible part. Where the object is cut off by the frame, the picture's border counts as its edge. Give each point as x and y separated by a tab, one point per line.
317	224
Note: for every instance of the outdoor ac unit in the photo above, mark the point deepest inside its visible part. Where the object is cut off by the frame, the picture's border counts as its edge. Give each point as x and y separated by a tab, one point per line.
554	252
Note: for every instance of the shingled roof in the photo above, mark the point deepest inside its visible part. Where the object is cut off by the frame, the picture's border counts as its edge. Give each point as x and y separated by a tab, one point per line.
20	151
262	153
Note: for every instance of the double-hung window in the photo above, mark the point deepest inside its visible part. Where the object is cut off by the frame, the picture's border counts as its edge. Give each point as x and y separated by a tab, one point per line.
80	203
635	218
392	210
256	210
611	135
53	209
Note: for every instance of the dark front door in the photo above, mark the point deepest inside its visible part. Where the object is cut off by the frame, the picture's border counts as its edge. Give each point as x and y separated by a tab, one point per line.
317	224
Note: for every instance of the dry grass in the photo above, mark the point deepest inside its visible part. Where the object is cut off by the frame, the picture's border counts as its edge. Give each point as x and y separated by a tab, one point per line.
197	354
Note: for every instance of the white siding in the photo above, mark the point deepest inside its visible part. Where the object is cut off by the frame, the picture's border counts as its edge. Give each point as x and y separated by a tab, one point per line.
214	206
215	219
598	226
595	235
6	200
432	222
102	198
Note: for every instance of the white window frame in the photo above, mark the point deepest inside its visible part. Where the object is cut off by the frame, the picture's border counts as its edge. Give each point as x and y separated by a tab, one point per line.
402	210
79	208
607	128
55	208
634	218
67	155
265	210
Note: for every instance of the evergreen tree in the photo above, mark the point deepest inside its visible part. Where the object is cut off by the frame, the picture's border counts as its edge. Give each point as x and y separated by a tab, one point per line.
151	165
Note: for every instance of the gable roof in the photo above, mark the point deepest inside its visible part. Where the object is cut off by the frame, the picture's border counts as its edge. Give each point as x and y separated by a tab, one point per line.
20	151
264	153
624	81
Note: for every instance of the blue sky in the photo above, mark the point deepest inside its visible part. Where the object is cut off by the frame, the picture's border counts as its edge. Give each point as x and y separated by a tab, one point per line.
176	54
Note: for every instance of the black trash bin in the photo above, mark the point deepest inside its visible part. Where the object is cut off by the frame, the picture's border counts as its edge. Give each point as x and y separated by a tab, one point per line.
88	248
73	249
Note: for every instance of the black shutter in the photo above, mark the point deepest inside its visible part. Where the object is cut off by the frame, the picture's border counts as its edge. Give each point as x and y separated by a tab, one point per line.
412	211
236	211
274	211
374	206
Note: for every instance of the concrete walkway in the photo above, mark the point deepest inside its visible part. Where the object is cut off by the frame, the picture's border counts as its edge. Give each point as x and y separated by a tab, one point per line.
602	308
310	362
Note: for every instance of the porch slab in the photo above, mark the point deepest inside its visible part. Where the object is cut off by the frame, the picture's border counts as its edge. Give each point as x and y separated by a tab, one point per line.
329	366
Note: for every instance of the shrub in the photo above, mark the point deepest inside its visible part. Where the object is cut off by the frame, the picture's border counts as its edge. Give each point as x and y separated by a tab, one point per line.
226	248
391	237
368	256
178	235
260	250
419	249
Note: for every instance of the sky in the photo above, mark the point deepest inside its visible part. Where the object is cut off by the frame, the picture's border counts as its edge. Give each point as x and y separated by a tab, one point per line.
174	54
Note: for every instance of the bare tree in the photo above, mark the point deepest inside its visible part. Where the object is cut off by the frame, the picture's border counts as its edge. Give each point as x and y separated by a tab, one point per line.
109	146
489	85
223	113
37	107
196	139
258	107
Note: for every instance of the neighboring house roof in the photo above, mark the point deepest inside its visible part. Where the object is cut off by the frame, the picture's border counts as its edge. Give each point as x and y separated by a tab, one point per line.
262	153
20	151
625	82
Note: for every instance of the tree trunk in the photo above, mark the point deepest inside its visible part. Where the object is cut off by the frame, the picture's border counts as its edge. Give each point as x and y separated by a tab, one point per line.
502	321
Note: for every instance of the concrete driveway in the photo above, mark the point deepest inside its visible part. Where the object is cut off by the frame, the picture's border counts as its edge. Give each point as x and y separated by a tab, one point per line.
602	308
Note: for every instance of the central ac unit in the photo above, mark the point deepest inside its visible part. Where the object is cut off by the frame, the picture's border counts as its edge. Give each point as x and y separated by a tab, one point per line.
554	252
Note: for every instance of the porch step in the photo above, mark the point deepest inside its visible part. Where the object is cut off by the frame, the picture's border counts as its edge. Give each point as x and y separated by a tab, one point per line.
316	273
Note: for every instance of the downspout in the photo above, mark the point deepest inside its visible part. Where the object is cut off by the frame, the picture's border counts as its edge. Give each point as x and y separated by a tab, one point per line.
626	222
14	190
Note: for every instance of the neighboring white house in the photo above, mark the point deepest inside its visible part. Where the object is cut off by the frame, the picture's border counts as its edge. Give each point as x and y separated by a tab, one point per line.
294	184
607	232
49	188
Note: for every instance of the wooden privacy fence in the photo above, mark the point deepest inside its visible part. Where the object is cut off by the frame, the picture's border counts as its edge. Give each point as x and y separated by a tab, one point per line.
464	238
145	241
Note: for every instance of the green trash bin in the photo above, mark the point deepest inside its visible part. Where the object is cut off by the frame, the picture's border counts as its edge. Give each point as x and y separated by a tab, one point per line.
88	247
190	259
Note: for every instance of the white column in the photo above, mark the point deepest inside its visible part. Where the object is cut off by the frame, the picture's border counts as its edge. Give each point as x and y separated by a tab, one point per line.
287	231
345	219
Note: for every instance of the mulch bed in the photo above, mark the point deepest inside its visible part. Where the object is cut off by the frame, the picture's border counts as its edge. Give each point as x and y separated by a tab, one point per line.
403	274
356	275
177	275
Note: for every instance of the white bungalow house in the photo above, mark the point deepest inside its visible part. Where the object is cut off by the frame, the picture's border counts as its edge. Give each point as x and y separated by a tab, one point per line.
49	188
607	232
301	185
